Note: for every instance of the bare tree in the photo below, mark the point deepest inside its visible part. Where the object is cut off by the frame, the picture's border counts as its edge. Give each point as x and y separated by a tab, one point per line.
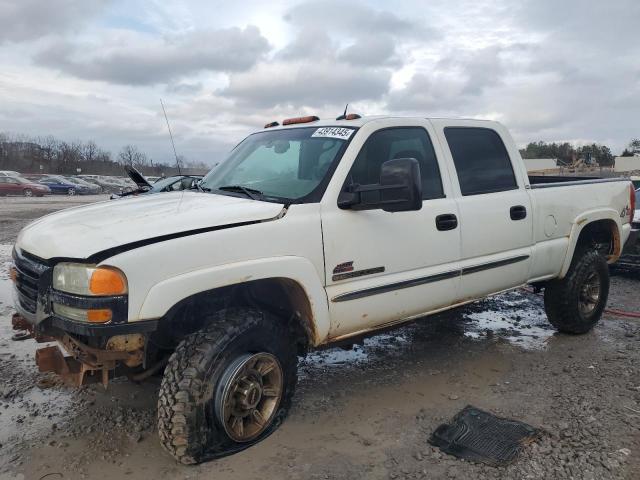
130	155
49	146
89	151
103	155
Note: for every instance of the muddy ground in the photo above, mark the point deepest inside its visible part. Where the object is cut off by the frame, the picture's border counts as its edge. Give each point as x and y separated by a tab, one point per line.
365	413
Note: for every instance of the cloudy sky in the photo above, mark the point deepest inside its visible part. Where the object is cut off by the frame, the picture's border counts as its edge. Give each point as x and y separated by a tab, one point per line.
96	69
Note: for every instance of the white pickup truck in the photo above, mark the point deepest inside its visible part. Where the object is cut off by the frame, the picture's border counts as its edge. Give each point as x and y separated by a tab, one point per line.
309	233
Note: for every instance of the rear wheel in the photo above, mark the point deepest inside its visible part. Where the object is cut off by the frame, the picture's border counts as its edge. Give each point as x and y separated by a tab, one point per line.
27	192
575	303
227	386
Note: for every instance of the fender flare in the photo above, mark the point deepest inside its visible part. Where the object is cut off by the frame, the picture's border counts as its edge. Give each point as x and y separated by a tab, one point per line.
169	292
578	225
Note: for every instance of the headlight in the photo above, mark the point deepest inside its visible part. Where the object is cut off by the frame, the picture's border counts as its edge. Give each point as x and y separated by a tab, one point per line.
90	280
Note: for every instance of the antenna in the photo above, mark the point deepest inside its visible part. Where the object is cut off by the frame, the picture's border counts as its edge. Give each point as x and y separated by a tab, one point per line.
344	115
171	137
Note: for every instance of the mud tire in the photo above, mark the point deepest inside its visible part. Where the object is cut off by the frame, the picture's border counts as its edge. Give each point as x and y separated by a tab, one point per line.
188	427
562	297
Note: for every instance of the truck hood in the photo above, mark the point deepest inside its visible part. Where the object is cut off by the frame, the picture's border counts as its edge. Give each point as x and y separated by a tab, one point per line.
84	231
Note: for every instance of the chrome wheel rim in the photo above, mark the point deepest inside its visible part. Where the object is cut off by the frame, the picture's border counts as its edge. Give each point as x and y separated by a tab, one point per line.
250	395
589	294
28	193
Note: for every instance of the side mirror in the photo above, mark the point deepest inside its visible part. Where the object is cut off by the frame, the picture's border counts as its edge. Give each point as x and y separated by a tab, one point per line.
399	190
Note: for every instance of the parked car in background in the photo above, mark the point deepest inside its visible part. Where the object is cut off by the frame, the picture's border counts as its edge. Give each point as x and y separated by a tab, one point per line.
21	186
127	184
174	183
9	173
91	188
153	179
106	183
57	183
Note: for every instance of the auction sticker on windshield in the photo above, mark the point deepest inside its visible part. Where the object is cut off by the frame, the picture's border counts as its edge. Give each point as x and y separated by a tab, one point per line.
333	132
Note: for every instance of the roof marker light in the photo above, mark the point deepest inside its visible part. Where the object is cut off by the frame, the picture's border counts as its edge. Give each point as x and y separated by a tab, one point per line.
350	116
272	124
308	119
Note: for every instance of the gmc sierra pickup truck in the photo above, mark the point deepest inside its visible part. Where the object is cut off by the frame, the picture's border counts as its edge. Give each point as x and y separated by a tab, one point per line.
310	232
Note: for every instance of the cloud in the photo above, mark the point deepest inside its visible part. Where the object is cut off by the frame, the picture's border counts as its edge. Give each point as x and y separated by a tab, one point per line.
26	20
374	51
340	53
353	18
549	70
139	59
454	83
306	83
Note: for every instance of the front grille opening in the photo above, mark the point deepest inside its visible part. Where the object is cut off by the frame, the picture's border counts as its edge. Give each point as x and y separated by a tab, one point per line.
29	271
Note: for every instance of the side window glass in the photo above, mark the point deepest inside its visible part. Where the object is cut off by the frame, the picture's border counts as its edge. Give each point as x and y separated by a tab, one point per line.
393	143
481	160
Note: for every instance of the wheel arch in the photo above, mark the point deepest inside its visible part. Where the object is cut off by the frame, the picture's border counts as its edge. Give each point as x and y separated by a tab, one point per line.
602	229
287	286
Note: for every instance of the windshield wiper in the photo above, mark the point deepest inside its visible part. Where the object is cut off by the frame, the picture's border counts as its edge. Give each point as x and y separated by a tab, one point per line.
249	192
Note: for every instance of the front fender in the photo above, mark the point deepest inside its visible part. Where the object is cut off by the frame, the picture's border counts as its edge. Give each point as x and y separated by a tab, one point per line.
164	295
578	225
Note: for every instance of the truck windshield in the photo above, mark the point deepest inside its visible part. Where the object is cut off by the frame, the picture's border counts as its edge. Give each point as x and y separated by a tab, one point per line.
288	165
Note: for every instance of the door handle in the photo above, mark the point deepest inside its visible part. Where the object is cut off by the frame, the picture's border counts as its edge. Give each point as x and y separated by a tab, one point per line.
447	221
518	212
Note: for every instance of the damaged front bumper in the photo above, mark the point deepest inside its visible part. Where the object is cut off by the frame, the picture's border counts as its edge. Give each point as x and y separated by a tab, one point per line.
90	351
83	363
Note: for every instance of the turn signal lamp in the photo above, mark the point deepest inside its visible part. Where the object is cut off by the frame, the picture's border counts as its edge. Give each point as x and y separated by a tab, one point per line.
94	315
105	281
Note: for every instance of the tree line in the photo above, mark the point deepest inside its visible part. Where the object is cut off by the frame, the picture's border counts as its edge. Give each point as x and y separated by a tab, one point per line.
49	154
567	153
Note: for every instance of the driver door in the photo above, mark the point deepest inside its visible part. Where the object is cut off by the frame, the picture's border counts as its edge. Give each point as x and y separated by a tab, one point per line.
382	267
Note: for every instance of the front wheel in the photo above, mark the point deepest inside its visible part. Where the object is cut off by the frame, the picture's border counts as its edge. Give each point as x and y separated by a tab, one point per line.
575	303
71	191
227	386
27	192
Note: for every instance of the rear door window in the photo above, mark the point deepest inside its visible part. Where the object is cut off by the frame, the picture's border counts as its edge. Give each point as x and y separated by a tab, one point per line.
481	160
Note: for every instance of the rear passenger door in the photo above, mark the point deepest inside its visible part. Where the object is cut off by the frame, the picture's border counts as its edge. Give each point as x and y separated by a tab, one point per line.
494	207
383	267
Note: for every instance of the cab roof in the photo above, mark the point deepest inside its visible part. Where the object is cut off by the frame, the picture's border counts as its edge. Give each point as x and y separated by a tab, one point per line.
359	122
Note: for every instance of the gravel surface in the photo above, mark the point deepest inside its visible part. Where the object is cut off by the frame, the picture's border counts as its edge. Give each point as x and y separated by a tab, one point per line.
364	413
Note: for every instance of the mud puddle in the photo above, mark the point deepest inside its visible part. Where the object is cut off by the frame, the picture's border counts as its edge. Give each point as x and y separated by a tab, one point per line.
515	317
